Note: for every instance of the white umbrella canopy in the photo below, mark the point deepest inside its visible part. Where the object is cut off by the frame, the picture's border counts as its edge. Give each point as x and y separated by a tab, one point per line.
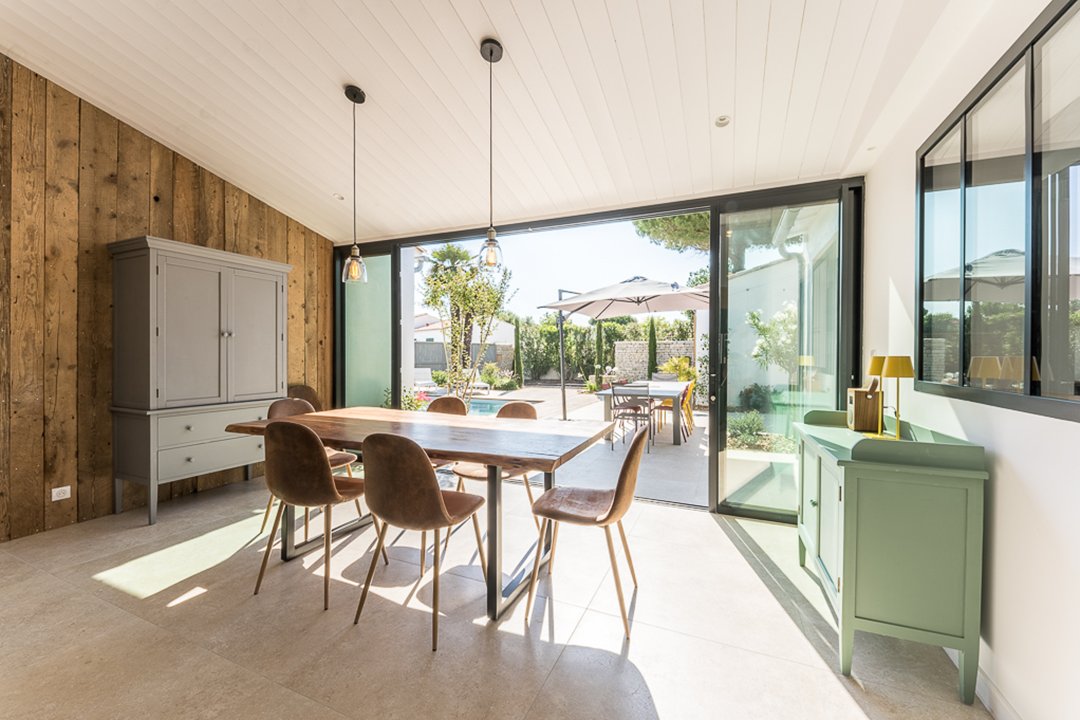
633	297
997	277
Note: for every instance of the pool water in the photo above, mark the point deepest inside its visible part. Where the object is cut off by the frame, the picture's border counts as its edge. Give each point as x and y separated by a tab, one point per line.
485	407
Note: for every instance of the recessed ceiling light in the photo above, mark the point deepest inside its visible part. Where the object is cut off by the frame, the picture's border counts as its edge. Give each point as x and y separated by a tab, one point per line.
337	196
723	120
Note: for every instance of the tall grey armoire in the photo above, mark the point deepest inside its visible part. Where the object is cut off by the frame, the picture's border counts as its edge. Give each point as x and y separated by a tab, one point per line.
198	342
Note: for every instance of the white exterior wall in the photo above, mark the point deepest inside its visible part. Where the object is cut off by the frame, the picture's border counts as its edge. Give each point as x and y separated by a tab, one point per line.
1030	659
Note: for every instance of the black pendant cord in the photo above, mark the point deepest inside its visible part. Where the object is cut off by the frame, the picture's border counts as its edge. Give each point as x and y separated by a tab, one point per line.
354	174
491	145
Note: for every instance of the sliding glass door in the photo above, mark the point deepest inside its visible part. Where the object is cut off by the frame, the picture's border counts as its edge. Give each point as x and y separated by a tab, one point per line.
786	342
366	361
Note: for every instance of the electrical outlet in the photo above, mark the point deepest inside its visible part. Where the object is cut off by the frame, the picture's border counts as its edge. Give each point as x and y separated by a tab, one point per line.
61	493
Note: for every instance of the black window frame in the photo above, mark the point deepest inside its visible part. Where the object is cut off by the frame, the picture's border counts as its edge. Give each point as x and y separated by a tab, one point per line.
1022	50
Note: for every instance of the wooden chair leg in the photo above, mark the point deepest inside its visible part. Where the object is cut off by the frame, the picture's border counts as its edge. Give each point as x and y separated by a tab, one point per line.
480	545
359	510
371	572
307	523
554	542
348	469
435	597
529	492
536	568
327	537
460	484
615	576
269	544
423	552
266	515
375	524
626	549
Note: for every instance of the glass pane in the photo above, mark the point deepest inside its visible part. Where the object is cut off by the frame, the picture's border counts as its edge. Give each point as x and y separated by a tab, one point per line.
994	266
1056	369
941	261
367	336
783	299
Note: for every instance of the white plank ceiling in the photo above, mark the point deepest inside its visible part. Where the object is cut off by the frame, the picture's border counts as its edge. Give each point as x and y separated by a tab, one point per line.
598	104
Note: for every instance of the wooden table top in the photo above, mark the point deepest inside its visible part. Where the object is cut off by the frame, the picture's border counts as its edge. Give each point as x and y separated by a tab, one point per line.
541	445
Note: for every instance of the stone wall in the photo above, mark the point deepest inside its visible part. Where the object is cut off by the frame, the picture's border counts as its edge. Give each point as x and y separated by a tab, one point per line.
632	356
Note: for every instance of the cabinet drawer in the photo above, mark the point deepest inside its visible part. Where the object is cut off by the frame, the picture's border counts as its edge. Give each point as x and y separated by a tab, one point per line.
182	462
202	427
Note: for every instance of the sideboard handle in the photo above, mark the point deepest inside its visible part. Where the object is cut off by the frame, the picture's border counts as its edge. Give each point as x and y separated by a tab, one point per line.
813	502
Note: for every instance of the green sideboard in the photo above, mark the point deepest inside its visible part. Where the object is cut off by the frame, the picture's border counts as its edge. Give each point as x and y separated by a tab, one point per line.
894	529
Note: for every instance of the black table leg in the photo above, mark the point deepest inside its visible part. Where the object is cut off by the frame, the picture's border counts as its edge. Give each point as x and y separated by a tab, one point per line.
290	550
500	596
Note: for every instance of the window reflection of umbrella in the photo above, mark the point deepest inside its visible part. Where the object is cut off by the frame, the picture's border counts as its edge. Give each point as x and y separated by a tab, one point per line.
997	277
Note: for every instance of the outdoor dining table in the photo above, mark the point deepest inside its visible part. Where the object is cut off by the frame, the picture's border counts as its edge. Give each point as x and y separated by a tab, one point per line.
499	443
655	390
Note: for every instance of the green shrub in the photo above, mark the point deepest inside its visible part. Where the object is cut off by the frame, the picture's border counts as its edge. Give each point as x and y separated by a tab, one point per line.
681	367
490	373
505	383
439	377
756	397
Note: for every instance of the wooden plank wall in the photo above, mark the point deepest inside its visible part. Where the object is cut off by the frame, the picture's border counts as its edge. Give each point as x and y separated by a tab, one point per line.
73	179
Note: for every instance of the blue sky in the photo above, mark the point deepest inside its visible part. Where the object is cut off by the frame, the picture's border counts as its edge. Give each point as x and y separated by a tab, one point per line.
584	258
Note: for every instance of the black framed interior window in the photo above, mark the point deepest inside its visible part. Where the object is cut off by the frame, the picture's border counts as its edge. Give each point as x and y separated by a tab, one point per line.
998	261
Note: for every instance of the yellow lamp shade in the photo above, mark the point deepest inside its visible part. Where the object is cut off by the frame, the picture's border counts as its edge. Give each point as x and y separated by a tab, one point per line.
984	367
898	366
877	362
806	361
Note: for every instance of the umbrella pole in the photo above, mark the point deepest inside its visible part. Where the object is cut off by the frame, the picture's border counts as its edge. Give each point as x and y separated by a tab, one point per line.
562	360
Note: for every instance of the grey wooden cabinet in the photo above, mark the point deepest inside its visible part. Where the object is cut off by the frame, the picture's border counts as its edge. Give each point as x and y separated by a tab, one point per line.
199	335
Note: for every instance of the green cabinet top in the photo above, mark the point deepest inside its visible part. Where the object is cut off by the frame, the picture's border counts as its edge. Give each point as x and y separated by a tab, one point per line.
918	446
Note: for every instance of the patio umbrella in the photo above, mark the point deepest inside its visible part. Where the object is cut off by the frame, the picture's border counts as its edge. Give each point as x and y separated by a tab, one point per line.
997	277
630	297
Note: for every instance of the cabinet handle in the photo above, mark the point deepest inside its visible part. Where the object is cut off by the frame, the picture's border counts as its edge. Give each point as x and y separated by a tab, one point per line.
260	446
188	428
813	503
187	459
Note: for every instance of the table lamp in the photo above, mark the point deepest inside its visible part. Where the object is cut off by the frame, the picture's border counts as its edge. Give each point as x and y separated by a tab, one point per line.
897	366
877	363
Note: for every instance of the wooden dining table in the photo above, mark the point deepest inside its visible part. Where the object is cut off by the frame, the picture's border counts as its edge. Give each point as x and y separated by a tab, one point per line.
652	390
499	443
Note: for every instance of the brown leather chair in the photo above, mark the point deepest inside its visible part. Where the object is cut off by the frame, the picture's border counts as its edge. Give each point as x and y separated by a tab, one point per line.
306	392
475	471
291	407
448	405
594	508
402	491
298	472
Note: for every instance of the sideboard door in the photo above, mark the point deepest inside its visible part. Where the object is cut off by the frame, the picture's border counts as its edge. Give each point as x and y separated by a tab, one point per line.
830	523
190	340
256	336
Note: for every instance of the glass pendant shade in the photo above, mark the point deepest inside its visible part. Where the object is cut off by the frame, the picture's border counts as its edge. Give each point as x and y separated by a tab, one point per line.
491	253
354	270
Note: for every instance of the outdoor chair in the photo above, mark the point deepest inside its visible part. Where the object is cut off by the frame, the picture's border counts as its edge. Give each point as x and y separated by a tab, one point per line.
631	408
592	508
402	491
422	378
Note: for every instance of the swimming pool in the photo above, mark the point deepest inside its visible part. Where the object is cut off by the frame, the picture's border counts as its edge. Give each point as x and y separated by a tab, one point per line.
486	406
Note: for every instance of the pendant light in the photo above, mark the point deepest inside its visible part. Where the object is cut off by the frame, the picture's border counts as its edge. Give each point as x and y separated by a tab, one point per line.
354	269
491	254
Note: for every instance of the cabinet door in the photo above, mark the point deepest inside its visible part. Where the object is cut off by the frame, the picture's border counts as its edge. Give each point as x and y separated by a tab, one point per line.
830	521
256	336
190	341
808	487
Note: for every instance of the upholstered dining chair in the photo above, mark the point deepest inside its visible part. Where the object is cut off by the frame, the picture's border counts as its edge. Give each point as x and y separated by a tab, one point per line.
291	407
592	508
298	472
448	405
306	392
402	491
475	471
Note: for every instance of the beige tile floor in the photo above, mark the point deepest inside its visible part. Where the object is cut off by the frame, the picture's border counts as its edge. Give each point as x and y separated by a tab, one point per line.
115	619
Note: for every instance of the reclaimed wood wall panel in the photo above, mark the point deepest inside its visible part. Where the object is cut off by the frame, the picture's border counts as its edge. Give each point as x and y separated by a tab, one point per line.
26	301
5	294
61	288
72	180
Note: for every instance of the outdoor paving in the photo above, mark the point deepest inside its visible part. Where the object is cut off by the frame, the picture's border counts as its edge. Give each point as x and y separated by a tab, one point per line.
669	473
